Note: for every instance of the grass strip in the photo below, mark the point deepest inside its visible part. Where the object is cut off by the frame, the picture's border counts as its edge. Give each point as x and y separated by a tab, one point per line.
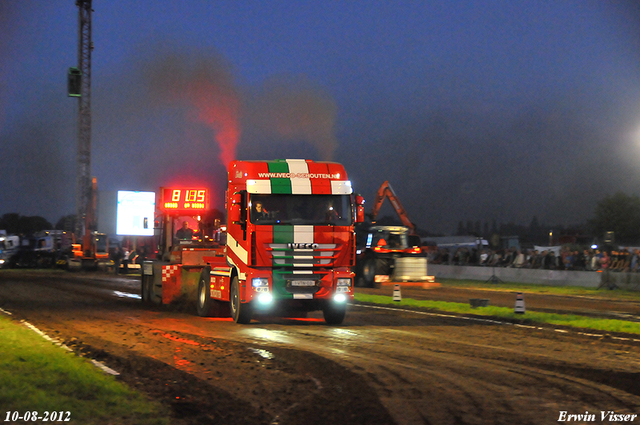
530	317
540	289
37	376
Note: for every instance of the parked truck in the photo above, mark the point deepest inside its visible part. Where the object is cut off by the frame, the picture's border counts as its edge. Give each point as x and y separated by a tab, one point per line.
9	246
288	246
43	249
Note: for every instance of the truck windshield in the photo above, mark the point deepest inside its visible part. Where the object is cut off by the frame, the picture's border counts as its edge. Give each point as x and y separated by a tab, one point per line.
301	209
101	243
390	240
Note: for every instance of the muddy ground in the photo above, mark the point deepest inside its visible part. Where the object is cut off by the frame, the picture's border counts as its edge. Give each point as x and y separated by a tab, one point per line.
379	367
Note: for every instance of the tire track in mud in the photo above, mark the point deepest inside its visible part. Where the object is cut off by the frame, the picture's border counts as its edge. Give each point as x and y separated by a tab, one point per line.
202	379
501	392
424	370
486	378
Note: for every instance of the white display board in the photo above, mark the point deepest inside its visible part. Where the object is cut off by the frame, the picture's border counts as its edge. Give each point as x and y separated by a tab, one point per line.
135	213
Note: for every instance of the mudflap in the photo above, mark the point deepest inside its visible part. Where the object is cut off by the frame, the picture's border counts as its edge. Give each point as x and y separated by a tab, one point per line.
190	282
180	284
171	282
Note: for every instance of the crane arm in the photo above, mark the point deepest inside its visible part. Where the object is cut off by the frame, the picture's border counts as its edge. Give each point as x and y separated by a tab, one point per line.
386	191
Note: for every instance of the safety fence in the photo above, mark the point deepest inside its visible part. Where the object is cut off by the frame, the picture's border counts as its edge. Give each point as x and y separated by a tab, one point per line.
606	279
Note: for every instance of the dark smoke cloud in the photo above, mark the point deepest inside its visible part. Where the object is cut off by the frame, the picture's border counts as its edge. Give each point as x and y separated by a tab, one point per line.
206	86
283	111
291	111
178	116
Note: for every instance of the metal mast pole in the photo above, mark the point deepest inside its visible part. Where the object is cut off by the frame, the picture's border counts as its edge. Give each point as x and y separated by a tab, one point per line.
83	177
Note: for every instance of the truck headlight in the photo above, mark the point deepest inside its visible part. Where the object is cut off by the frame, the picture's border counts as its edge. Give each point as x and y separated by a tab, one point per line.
343	284
257	282
344	281
260	284
265	298
339	298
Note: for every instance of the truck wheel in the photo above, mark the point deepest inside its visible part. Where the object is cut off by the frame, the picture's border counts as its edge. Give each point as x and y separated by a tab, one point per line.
241	313
334	313
204	295
369	272
384	266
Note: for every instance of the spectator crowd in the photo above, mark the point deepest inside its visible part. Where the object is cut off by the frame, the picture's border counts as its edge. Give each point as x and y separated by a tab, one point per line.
623	260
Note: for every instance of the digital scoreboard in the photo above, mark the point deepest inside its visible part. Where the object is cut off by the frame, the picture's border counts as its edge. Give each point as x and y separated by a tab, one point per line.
184	199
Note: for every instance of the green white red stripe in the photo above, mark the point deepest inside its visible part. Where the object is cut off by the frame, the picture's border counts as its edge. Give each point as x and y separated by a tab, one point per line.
299	177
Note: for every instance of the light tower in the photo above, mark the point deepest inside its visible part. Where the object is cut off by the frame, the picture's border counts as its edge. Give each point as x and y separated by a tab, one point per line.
83	177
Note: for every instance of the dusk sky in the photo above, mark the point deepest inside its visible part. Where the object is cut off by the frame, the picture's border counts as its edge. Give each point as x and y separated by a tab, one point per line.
473	110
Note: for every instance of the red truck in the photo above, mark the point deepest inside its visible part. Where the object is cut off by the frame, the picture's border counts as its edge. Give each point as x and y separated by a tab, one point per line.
288	246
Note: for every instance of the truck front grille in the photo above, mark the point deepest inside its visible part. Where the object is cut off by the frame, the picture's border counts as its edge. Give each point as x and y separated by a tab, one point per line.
302	260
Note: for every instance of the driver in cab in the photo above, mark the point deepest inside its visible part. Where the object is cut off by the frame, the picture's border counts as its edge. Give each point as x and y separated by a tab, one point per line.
259	213
184	233
331	214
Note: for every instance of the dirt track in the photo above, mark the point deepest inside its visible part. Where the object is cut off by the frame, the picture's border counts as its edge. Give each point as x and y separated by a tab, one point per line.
382	366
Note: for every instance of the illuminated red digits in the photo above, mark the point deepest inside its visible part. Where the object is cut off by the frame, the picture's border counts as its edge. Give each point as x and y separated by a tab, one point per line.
176	195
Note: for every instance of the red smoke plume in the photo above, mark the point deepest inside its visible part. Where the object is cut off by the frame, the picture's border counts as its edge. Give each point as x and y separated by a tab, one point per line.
289	110
218	108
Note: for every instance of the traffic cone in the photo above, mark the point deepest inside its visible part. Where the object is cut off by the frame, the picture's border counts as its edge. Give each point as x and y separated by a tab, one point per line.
519	304
396	293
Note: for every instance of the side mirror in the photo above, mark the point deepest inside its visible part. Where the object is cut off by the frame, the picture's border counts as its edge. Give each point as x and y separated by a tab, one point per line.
234	207
359	209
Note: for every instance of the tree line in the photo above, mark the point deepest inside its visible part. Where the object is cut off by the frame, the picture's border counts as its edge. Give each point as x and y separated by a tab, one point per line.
16	224
618	213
